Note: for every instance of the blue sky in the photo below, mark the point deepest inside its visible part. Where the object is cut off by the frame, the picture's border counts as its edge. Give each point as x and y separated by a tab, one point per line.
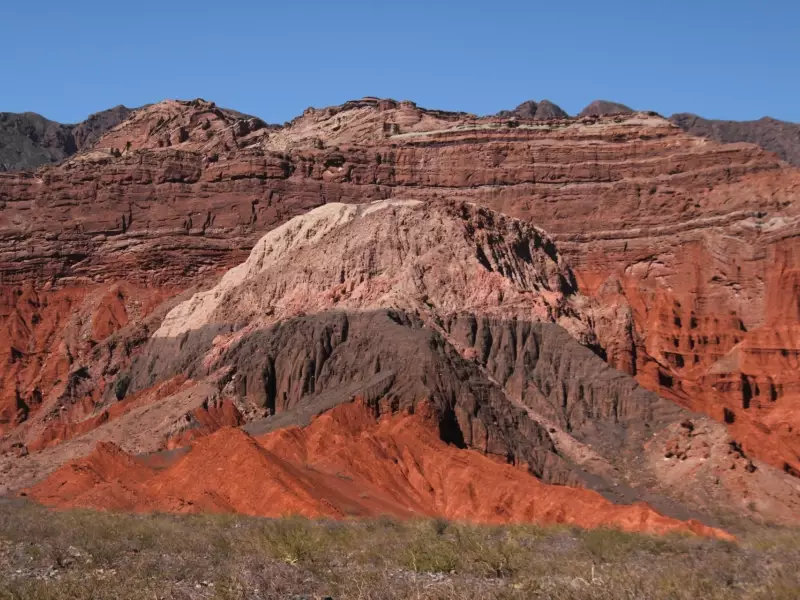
738	59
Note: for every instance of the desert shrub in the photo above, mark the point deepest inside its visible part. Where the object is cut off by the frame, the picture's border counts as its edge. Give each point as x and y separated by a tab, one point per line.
608	544
429	554
121	386
84	554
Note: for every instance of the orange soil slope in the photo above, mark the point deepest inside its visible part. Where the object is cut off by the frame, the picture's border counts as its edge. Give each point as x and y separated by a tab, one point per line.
344	464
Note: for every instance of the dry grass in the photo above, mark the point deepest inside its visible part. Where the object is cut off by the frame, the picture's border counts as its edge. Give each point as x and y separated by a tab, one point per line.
48	555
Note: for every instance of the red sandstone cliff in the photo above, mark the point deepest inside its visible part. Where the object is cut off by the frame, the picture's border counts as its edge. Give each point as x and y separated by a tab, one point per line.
687	245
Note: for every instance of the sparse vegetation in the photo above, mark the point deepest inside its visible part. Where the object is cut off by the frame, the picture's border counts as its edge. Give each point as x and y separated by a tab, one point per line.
82	554
124	380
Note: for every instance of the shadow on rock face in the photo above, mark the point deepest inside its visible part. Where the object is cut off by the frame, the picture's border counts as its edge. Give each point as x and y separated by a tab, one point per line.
511	389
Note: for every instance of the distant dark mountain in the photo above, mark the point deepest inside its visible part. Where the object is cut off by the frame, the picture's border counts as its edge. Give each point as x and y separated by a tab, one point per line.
780	137
87	132
604	107
535	110
28	140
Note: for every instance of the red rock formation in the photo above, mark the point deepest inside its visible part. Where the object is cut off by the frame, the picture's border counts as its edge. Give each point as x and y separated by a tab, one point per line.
689	245
478	285
48	334
344	464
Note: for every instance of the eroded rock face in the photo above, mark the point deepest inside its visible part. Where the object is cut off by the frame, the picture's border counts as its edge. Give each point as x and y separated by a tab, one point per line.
87	132
49	338
612	430
436	258
424	262
681	250
703	295
300	367
457	311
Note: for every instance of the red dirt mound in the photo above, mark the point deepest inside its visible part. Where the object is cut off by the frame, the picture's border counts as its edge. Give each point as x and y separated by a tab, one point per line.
344	464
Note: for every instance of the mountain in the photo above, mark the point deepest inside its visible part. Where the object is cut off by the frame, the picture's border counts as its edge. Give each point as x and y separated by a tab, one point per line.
607	305
780	137
545	109
28	140
531	109
338	306
604	107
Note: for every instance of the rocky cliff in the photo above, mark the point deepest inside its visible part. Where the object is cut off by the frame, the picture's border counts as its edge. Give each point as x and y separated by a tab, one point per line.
670	255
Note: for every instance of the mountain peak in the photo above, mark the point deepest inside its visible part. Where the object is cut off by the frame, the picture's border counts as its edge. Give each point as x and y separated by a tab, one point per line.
531	109
604	107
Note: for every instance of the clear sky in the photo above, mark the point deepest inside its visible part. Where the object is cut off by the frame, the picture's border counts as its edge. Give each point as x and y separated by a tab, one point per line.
737	59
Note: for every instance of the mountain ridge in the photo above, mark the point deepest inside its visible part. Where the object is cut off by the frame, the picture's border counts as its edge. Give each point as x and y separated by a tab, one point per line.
781	137
29	140
642	262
